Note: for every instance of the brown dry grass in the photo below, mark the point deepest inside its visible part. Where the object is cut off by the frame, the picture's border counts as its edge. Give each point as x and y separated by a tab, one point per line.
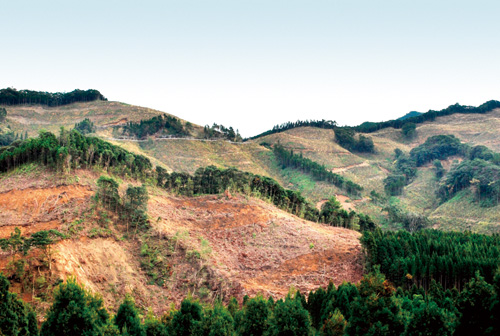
32	118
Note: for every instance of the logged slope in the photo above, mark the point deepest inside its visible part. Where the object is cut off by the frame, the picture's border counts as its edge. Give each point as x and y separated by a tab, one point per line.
104	114
207	246
259	246
368	170
475	129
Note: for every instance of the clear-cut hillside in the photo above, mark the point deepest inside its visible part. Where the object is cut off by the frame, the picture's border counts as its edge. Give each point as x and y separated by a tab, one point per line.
208	246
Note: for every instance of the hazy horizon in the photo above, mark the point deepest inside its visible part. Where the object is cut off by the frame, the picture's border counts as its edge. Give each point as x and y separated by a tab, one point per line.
254	64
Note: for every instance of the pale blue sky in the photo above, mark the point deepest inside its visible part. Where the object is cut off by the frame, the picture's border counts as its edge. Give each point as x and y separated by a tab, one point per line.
253	64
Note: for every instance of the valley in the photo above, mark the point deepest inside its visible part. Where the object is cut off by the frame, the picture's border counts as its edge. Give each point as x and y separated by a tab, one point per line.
223	221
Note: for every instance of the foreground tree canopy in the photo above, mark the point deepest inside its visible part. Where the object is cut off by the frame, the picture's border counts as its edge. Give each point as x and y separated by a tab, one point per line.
372	307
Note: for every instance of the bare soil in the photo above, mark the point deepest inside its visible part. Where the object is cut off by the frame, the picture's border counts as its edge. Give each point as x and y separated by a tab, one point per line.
230	245
262	248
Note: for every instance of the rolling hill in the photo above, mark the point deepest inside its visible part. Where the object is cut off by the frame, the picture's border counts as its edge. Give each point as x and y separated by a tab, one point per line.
368	170
99	211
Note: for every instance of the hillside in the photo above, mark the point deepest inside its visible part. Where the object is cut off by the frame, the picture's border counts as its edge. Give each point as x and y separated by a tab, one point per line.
104	114
78	207
368	170
227	246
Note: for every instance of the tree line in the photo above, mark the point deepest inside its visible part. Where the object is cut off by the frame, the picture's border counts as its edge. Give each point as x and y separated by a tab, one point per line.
369	127
11	96
374	306
213	180
449	258
287	158
73	150
327	124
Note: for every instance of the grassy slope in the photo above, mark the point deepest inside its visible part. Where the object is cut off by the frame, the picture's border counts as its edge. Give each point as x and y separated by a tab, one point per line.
369	170
32	118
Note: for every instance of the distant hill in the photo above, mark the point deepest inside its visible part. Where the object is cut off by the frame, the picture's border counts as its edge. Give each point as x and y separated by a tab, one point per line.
410	114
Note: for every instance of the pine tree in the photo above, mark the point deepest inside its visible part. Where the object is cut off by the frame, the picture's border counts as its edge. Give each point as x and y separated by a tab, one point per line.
75	311
289	318
216	321
253	320
185	320
16	317
127	318
334	325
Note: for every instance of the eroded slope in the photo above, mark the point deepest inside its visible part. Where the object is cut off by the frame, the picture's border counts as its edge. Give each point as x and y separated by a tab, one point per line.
208	246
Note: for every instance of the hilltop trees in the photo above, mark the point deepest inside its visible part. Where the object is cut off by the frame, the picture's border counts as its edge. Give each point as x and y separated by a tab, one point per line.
163	124
368	127
11	96
436	147
221	132
327	124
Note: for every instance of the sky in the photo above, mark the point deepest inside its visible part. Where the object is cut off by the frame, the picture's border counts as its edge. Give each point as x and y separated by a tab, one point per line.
252	64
